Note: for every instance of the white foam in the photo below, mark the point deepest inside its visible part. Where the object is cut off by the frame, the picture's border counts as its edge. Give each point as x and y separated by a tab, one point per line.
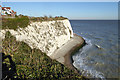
85	48
79	62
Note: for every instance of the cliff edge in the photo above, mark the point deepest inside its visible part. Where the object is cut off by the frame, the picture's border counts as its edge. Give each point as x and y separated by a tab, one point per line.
55	38
46	36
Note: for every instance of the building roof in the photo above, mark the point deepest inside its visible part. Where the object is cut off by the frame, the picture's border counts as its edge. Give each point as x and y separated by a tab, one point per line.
3	8
7	11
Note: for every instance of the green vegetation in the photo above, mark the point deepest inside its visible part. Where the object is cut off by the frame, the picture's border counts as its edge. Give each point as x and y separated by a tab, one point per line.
45	18
14	23
32	63
23	21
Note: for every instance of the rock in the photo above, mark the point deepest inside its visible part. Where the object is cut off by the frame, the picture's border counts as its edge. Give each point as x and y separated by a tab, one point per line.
46	36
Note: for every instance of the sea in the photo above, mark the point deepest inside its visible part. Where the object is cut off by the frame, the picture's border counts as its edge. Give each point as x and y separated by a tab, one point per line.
99	57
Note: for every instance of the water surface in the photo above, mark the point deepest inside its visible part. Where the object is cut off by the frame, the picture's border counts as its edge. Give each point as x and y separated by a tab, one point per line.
99	58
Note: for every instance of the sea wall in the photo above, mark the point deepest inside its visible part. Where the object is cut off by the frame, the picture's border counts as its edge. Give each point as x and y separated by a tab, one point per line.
46	36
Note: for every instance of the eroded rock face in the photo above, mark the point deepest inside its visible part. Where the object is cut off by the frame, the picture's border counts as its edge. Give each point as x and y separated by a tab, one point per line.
46	36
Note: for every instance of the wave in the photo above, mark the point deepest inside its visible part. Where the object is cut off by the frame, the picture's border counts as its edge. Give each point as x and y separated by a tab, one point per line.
88	45
80	60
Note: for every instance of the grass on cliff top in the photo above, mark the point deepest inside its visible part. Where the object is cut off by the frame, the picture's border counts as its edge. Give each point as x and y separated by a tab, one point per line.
23	21
45	18
14	23
22	62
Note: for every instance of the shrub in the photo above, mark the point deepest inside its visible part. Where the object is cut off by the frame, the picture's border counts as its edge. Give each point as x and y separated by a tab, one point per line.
45	18
23	21
32	63
14	23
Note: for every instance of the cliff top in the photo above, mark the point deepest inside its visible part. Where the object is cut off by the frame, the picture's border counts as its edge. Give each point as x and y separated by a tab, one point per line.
23	21
45	18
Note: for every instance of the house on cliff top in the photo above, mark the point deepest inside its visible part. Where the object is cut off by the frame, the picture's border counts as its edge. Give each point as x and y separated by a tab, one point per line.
7	12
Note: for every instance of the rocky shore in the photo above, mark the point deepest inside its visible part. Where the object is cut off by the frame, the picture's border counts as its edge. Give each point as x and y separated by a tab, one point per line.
64	54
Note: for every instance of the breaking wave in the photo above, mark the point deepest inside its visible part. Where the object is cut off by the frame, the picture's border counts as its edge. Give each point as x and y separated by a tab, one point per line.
80	62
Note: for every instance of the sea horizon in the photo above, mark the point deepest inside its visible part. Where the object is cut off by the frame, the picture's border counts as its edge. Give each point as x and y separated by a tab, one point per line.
96	19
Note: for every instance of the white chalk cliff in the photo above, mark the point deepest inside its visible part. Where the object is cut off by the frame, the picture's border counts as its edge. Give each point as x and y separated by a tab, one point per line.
46	36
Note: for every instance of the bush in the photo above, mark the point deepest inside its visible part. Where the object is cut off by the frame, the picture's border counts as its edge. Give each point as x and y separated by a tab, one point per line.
32	63
45	18
23	21
14	23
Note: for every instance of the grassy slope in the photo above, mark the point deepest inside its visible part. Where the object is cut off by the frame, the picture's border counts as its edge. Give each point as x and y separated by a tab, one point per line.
32	64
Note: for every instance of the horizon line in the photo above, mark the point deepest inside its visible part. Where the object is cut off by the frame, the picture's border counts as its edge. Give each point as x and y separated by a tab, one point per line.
93	19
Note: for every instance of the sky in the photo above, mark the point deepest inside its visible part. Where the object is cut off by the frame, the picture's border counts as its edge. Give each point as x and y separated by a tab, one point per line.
60	0
71	10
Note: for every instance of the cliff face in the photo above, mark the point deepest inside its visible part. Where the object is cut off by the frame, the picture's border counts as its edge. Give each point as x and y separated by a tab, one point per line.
46	36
